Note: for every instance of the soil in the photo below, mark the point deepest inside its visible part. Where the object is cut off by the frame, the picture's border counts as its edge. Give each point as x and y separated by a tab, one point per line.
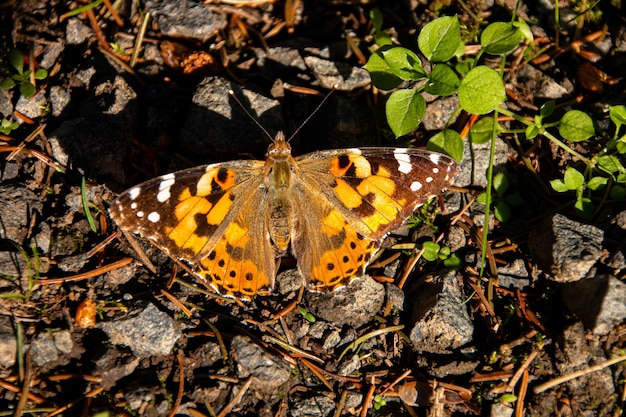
95	321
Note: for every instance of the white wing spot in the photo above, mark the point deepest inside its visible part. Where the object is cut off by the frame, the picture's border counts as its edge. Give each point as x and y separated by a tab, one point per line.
435	170
164	187
429	179
416	186
434	157
140	214
355	151
404	161
154	217
133	205
134	193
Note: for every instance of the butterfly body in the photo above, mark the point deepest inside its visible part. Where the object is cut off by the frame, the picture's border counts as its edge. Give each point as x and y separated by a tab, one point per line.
229	221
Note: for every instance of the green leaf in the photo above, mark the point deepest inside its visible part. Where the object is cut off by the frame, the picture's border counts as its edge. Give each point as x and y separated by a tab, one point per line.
531	132
584	207
618	192
502	211
16	59
481	91
380	72
431	251
576	126
610	164
547	108
443	81
618	115
377	18
559	186
514	199
524	30
507	398
27	89
482	131
481	198
500	183
621	147
404	63
41	74
453	262
7	83
447	141
597	183
440	38
500	38
405	110
573	179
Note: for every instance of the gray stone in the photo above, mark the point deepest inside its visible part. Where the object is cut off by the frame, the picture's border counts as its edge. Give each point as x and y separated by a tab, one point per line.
336	74
149	333
541	85
48	346
6	105
218	125
59	100
514	275
77	32
269	370
440	322
438	113
564	248
476	162
33	107
354	305
186	19
599	302
574	352
18	206
311	406
8	343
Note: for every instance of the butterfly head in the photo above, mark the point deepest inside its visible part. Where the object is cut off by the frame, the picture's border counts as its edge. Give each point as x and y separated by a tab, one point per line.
280	148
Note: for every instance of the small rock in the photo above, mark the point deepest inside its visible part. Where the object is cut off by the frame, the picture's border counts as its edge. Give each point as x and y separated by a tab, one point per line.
59	100
113	366
542	86
354	305
441	322
217	124
302	405
575	351
339	75
513	275
77	32
565	248
501	410
6	106
438	113
33	107
18	206
476	162
289	281
599	302
395	296
349	364
149	333
8	343
186	19
269	370
48	345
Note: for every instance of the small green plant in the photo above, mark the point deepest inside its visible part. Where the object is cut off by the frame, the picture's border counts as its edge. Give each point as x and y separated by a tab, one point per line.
21	77
307	316
501	200
7	126
379	402
434	252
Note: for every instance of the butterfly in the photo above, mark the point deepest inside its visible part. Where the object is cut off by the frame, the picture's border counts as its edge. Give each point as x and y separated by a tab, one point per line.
229	222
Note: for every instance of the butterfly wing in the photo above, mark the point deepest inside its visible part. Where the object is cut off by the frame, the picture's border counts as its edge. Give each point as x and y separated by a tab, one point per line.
366	193
201	216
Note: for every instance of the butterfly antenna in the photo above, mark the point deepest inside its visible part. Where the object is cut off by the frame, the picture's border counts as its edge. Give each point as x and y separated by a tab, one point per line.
254	119
319	106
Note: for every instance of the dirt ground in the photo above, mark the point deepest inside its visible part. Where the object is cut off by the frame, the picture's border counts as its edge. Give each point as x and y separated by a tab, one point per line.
95	321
